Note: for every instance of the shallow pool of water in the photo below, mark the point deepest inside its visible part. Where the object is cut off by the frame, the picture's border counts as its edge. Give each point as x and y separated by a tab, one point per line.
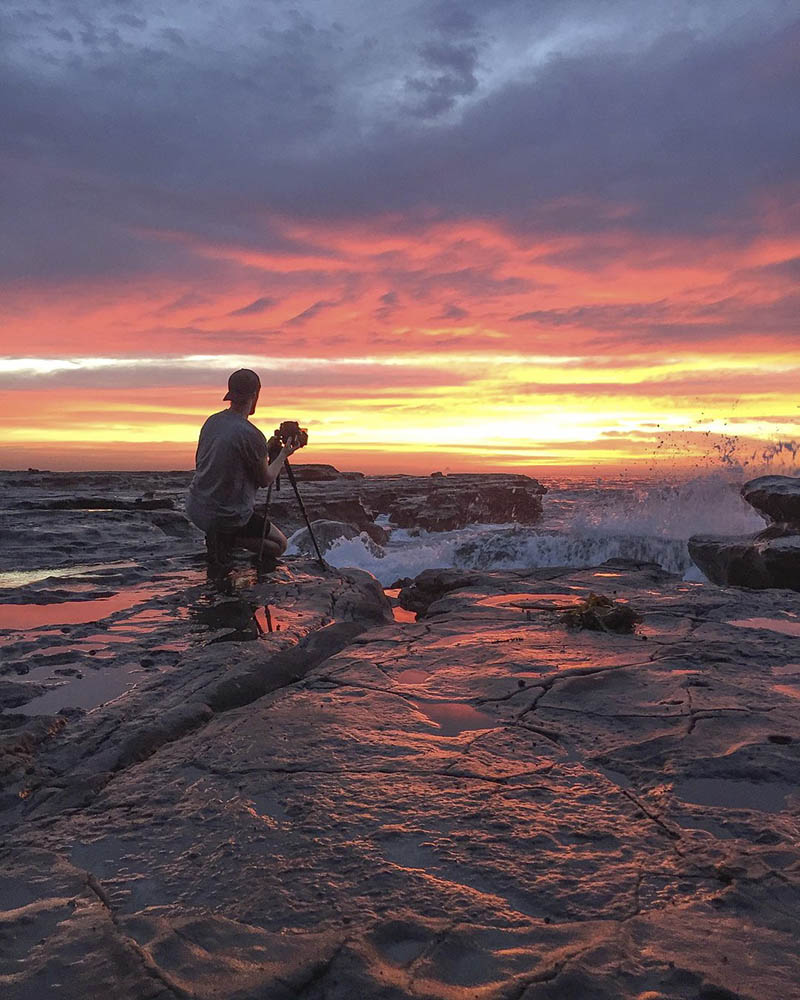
95	688
783	625
454	717
731	793
413	675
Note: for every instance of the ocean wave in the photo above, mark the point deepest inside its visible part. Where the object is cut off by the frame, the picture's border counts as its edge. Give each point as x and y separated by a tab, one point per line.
642	522
488	547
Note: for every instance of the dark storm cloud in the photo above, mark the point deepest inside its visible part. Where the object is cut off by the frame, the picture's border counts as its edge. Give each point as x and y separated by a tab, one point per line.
118	117
451	74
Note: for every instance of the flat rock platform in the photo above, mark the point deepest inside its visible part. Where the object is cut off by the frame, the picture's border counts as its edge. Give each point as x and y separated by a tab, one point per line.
483	803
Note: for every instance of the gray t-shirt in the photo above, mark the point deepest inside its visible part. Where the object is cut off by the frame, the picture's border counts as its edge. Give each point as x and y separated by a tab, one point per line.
229	453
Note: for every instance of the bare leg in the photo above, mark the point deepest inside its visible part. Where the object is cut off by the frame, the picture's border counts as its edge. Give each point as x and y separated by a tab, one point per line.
274	544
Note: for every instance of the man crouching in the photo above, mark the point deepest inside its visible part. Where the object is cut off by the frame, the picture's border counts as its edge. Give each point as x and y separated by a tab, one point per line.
232	463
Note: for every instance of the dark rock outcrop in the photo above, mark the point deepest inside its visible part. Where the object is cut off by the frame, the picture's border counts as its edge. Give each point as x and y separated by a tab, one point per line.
101	503
322	474
770	558
777	497
286	512
327	532
600	613
418	594
754	562
446	507
433	503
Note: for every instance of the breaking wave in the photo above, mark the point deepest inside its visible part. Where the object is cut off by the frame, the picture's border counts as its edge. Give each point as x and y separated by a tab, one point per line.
583	526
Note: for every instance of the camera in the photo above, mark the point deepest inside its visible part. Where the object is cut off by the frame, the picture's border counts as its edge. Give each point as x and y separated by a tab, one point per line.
289	430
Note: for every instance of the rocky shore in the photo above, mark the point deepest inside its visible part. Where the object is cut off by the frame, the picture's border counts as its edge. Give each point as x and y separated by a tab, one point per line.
432	503
769	558
484	802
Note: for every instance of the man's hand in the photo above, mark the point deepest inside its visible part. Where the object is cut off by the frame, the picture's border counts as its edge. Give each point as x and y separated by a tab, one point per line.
291	446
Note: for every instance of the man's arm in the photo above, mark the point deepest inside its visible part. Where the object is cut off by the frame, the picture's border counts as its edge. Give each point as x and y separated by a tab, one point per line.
268	471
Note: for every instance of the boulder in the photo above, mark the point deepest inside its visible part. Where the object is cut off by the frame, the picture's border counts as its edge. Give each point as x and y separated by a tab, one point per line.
328	532
770	558
757	562
173	523
599	613
287	514
418	594
776	497
448	506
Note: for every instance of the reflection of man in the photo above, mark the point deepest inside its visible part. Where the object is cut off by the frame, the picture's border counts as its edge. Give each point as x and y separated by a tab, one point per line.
232	463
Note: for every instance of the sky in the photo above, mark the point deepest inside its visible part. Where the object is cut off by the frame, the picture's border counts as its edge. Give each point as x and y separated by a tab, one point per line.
456	236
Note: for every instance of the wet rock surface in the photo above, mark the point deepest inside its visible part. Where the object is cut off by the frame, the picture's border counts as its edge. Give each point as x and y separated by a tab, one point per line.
433	503
482	803
325	533
770	558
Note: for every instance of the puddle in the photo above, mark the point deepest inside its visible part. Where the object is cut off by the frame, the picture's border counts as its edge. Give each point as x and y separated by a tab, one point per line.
401	615
21	578
265	616
412	676
19	617
529	601
94	689
781	625
730	793
454	717
717	830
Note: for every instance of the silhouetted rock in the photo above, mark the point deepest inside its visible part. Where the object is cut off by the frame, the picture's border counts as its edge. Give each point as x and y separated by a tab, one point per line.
322	473
432	584
770	558
754	562
777	497
433	503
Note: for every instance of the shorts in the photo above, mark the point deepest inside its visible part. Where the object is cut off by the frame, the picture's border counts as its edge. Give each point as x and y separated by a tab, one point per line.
219	544
257	527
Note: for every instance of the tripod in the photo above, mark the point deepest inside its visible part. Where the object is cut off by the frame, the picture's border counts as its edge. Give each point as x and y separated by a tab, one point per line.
293	481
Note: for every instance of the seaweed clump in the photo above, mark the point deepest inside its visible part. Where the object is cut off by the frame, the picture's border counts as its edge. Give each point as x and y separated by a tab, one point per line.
601	614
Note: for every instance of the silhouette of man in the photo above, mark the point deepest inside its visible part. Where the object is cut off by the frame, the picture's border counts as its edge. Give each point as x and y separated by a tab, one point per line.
231	464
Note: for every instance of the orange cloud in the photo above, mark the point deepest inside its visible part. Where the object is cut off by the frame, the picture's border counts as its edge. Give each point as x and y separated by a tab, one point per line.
456	340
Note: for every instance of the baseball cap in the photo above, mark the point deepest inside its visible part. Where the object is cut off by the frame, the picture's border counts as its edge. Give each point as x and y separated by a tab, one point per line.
242	383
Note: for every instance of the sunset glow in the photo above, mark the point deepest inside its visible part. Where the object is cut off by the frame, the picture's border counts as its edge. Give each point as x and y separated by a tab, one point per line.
579	302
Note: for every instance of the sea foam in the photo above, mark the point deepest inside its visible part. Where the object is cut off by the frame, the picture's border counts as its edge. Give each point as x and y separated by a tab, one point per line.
583	526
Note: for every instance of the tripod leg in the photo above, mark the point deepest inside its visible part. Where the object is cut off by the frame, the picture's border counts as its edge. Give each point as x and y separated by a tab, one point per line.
264	528
293	481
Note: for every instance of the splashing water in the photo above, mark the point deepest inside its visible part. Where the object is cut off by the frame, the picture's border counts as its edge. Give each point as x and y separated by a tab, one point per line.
582	526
